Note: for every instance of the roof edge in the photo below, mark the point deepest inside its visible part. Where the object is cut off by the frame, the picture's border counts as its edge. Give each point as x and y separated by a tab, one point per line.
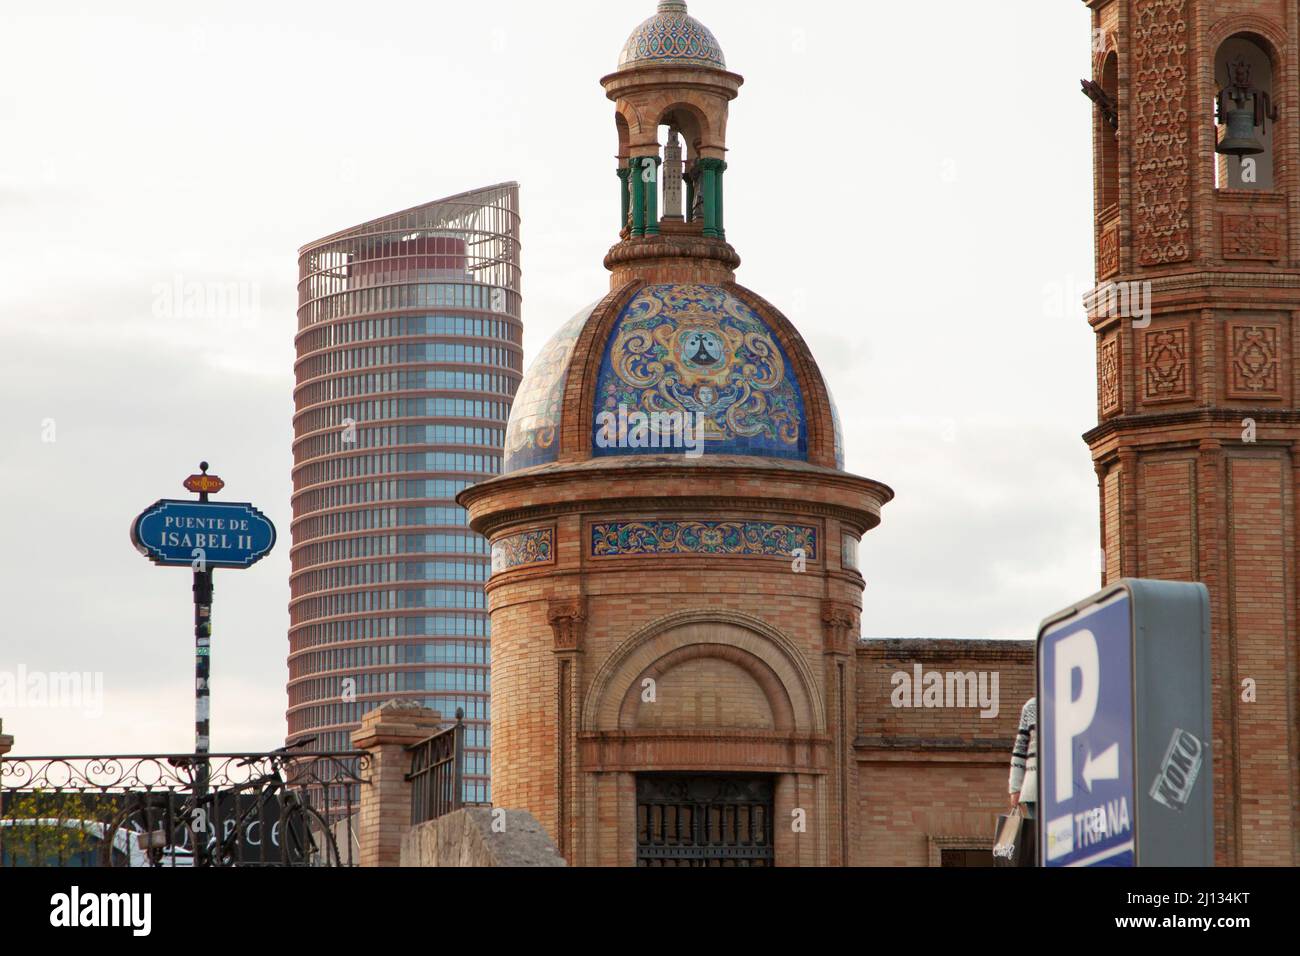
457	198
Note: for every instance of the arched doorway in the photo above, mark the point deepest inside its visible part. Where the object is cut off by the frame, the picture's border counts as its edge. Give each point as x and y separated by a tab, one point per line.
704	745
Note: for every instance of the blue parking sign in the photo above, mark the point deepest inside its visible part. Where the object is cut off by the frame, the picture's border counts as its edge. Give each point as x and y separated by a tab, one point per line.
1087	802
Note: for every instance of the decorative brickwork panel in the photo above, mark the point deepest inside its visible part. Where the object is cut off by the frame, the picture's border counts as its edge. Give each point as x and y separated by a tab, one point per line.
1108	376
1161	152
1252	237
1254	369
1165	373
733	538
535	546
1108	250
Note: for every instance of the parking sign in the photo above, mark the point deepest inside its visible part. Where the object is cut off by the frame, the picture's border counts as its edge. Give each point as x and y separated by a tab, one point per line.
1124	728
1085	719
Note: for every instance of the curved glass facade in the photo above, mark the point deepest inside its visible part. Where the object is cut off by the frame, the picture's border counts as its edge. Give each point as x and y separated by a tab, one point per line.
409	354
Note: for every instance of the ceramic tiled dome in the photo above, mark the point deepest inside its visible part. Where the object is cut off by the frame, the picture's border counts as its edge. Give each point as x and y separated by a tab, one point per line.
672	38
684	348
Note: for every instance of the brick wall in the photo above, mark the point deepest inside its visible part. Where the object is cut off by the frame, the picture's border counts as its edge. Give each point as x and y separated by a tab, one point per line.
933	776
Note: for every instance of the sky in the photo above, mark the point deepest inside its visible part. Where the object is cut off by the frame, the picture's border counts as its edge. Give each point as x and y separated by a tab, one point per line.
920	210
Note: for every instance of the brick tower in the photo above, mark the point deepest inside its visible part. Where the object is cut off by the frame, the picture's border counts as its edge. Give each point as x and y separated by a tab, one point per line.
675	596
1197	318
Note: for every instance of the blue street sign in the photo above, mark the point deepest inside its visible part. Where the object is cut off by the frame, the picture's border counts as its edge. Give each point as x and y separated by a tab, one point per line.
1125	773
1087	803
203	534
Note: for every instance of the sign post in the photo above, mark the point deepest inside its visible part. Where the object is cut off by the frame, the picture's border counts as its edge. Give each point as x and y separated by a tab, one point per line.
202	535
1124	767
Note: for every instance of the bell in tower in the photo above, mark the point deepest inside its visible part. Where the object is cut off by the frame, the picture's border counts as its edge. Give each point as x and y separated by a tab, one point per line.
1242	109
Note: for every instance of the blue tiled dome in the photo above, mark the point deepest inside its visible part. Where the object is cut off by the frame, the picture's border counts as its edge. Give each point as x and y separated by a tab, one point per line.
674	349
672	38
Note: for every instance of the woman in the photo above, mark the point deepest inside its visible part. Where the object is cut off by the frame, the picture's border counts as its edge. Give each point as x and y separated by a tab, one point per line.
1023	784
1024	761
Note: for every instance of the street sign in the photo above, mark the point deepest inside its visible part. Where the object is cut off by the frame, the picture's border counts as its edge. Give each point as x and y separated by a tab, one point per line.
203	533
1124	728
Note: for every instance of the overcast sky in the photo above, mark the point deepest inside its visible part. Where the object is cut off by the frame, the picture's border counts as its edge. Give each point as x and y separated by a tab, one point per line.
932	252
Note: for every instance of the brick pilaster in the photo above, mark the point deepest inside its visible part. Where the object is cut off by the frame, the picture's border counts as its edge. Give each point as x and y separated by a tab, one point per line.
567	618
384	815
840	639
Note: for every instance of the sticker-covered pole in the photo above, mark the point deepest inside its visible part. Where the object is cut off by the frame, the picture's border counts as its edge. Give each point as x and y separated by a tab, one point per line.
202	651
202	672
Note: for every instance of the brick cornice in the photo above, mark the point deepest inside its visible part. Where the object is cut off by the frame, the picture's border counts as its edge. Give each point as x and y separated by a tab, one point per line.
947	650
1128	424
664	247
716	749
1001	745
1205	289
585	487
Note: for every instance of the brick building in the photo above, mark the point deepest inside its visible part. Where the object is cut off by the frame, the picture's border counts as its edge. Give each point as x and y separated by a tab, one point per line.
677	675
677	670
1198	448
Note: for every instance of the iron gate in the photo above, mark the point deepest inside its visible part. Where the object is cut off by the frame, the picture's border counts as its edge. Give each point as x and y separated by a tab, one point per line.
704	820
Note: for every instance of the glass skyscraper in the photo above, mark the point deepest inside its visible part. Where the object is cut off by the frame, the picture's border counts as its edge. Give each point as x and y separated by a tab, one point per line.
409	353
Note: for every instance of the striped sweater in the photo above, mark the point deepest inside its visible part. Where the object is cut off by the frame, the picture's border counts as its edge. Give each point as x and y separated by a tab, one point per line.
1024	754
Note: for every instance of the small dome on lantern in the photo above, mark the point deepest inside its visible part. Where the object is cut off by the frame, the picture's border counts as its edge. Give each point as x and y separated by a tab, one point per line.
671	38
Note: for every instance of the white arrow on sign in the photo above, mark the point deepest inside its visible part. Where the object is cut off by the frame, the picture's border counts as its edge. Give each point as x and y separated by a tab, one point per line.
1105	767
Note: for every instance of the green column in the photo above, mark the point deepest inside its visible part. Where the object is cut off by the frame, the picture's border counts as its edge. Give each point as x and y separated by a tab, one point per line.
625	200
722	218
638	198
710	173
651	195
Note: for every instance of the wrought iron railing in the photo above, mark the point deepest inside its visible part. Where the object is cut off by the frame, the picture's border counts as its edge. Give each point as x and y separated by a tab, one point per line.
438	772
260	809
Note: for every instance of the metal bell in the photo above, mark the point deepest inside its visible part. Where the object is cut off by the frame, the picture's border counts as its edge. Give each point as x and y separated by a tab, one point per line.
1240	139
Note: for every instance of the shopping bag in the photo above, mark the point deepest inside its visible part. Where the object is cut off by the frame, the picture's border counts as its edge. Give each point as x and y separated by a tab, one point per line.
1011	840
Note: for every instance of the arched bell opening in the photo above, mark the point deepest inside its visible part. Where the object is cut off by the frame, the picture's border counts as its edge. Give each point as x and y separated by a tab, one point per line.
1246	114
1108	135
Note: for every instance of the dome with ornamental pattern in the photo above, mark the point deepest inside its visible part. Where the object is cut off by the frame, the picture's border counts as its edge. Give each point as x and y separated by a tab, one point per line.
672	38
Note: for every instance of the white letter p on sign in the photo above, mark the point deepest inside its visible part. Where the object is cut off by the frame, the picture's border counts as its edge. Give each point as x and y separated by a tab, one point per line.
1073	714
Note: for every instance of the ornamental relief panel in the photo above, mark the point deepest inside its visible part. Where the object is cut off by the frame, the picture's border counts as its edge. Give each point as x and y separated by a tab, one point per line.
1161	153
1108	376
1165	373
1108	250
1247	236
1255	367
